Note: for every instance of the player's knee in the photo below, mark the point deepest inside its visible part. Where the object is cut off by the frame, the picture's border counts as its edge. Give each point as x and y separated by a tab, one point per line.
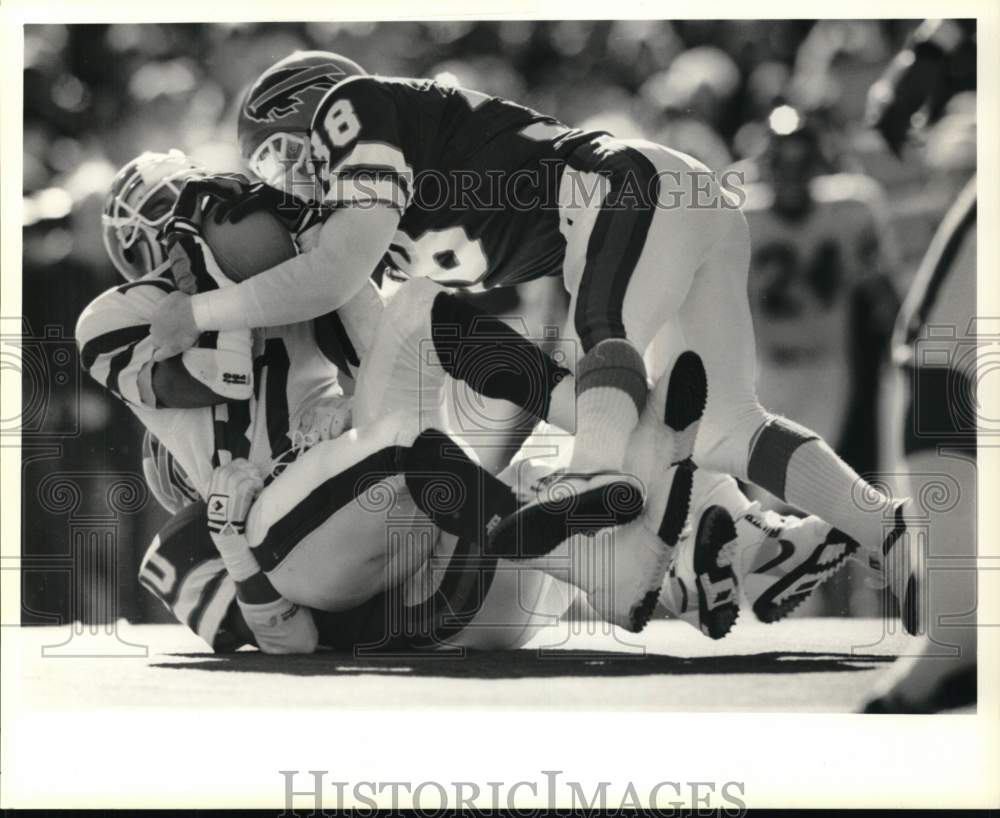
727	435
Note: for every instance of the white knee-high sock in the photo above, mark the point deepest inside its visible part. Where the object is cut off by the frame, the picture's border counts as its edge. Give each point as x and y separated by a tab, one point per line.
611	392
796	465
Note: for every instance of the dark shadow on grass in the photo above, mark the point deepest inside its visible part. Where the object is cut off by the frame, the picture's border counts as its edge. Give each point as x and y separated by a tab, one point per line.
525	664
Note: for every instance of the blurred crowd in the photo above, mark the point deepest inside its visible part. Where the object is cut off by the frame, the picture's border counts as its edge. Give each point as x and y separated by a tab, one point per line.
97	95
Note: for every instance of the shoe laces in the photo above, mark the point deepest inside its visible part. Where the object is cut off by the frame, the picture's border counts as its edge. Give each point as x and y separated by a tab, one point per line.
301	442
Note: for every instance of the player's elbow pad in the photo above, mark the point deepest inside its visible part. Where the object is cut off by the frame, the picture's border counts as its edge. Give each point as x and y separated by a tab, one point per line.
228	369
281	627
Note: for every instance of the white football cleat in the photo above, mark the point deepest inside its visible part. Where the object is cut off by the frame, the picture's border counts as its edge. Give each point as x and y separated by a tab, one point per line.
565	503
781	560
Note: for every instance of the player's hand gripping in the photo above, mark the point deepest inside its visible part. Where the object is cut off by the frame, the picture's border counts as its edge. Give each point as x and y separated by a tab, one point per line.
180	232
326	419
295	214
231	493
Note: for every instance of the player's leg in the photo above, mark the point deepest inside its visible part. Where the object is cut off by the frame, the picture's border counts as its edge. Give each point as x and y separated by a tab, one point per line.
428	334
627	272
777	562
357	514
622	567
458	599
697	583
739	437
463	599
633	242
322	530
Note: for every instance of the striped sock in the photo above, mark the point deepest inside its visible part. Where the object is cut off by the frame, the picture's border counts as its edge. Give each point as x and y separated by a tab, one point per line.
611	390
793	463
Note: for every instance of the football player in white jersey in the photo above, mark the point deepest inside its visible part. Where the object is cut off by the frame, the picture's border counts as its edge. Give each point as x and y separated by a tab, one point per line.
643	236
224	418
202	406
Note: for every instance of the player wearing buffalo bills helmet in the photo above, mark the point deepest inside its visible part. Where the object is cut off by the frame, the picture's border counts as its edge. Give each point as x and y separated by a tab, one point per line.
475	191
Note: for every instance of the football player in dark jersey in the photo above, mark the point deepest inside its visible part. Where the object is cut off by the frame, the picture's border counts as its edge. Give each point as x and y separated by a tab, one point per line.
471	190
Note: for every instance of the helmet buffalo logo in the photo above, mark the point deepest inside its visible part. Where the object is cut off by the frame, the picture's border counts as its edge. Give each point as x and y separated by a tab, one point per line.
281	93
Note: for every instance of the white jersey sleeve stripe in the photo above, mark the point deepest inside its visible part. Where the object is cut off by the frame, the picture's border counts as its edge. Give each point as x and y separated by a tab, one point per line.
371	172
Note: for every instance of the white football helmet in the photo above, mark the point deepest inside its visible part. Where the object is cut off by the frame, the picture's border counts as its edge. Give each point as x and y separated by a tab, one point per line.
141	199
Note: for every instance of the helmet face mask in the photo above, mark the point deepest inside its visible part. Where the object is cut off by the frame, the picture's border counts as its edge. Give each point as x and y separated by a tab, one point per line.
276	115
141	199
282	161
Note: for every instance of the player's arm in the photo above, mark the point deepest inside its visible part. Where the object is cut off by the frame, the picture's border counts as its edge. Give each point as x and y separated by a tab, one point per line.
278	625
116	349
174	387
352	242
366	178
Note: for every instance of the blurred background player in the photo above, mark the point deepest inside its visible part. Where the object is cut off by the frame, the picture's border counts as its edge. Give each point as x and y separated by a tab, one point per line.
821	289
932	422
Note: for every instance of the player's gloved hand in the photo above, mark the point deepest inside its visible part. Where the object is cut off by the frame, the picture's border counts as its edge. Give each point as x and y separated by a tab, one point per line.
294	213
198	196
172	327
187	263
326	419
231	493
180	232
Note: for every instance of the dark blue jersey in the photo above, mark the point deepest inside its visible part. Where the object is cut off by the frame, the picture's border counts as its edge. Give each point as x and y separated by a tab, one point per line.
475	178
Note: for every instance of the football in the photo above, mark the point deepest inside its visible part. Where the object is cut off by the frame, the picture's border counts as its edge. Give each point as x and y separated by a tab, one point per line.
254	244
